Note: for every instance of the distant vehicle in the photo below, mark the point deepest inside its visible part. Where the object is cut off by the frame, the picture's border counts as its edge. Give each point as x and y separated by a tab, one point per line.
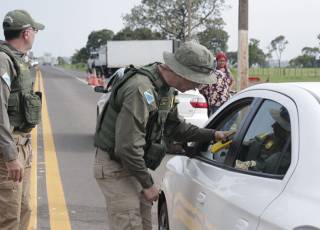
117	54
48	59
192	105
261	177
34	62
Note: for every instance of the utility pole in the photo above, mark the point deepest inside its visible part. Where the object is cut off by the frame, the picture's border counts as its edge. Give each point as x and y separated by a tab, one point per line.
243	48
189	19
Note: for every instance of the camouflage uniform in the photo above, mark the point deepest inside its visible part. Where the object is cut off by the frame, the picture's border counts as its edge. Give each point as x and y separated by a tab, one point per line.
15	143
120	166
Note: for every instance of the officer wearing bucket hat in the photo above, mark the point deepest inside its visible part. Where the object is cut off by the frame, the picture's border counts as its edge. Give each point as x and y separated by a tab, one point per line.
135	127
20	112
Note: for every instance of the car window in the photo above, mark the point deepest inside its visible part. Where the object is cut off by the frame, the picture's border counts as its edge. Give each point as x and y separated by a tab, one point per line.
266	146
217	151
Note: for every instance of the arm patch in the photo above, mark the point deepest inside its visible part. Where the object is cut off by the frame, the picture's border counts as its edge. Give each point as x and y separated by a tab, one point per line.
6	79
149	96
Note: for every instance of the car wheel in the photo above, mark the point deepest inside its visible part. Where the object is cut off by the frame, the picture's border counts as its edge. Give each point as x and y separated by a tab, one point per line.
163	219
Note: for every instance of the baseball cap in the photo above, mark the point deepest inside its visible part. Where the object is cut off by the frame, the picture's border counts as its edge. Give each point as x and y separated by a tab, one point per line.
19	20
193	62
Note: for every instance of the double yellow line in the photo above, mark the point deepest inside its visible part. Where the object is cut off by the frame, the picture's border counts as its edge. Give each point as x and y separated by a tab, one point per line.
58	212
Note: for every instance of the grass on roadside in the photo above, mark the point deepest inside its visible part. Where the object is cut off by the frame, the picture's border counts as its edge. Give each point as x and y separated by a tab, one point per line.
284	74
79	66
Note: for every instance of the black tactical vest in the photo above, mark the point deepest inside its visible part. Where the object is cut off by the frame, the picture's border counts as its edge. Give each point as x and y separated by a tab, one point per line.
24	106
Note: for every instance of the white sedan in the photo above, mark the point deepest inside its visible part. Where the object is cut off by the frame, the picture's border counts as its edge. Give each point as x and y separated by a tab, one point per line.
263	177
192	105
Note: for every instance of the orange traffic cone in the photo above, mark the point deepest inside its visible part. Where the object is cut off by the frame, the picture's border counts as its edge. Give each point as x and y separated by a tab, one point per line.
95	81
101	81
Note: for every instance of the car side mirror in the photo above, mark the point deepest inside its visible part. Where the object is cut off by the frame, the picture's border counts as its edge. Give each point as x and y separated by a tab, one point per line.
100	89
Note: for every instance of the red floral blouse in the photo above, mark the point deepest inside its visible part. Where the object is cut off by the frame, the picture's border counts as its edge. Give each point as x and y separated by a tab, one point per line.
217	94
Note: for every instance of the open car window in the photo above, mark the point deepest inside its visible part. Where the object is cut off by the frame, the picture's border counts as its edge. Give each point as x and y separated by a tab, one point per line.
231	121
266	146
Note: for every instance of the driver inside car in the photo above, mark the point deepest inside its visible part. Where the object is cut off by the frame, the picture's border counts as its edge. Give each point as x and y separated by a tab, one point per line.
268	153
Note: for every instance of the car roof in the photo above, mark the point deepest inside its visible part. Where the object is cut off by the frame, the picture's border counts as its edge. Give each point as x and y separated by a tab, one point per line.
313	88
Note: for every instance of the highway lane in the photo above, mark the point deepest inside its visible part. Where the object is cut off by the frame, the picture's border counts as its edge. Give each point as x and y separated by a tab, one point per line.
67	194
72	110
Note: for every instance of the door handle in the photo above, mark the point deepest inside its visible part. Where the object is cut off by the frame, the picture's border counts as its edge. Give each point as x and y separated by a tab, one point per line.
201	197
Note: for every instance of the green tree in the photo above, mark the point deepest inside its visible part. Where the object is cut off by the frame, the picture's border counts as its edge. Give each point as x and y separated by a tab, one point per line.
214	38
311	51
278	45
137	34
171	16
80	56
61	61
256	54
232	58
303	61
98	38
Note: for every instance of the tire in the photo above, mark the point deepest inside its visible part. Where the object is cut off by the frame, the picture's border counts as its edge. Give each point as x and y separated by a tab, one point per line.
163	218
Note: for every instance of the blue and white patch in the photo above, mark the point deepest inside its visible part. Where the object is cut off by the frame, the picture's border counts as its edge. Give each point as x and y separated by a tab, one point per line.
149	96
7	79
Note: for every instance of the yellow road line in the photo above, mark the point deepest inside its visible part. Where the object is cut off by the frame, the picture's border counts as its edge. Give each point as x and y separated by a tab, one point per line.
34	178
58	212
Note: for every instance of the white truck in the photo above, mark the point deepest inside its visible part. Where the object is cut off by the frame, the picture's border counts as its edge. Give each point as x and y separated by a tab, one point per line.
116	54
47	59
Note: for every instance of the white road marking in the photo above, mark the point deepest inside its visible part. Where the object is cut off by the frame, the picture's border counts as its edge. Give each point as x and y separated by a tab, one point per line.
82	80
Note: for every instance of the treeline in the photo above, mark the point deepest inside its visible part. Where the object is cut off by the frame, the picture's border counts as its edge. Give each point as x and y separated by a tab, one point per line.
310	56
169	19
166	19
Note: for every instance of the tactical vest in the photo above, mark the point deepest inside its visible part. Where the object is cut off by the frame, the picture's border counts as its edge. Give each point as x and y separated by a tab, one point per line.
155	147
24	106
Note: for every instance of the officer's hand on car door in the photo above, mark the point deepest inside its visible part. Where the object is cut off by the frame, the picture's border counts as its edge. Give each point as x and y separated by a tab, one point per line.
15	170
151	194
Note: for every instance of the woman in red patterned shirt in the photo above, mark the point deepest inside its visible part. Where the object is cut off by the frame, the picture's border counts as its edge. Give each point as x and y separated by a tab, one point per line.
217	94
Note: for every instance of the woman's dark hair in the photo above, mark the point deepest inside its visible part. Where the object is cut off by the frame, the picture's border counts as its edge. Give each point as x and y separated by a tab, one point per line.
12	34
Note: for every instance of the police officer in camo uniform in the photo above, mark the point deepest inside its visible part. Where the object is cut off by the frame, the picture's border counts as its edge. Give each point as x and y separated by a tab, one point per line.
20	111
136	125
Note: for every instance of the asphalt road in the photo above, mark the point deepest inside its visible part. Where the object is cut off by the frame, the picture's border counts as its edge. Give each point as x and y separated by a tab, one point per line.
66	195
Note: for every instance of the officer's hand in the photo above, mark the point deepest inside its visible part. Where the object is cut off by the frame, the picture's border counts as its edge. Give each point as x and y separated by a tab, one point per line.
15	170
223	135
151	194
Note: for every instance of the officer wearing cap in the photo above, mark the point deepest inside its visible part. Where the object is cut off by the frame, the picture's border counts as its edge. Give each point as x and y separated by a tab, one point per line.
135	127
19	112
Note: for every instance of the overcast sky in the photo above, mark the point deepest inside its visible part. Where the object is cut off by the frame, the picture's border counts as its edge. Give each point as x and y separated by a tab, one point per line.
69	22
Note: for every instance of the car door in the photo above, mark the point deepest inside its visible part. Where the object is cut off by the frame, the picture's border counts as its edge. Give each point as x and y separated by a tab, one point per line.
188	193
233	194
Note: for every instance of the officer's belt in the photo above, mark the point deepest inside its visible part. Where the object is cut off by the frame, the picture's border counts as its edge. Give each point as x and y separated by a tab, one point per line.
21	139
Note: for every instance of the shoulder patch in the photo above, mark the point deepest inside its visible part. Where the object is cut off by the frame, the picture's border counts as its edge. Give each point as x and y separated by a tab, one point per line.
7	79
149	96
